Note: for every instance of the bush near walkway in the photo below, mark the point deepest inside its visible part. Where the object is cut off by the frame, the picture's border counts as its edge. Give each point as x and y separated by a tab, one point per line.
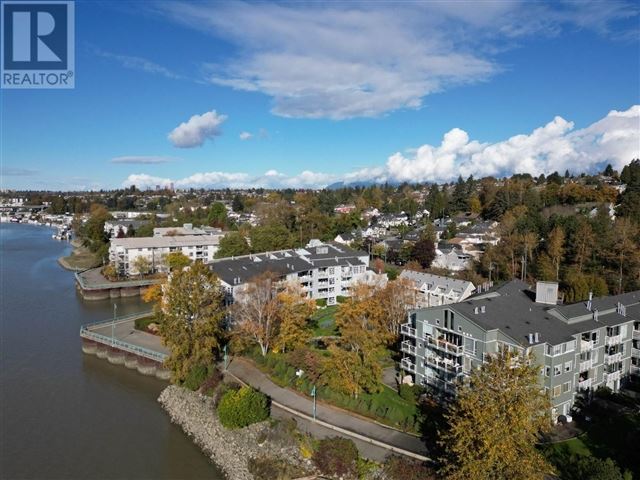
243	407
337	456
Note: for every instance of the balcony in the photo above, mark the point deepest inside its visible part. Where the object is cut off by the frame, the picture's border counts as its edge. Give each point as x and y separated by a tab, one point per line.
585	365
407	347
584	384
407	329
616	357
305	278
445	364
612	377
635	370
613	340
636	334
439	383
408	365
445	346
635	352
585	345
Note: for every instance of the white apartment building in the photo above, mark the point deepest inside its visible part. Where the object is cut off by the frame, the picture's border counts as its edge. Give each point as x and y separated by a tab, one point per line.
323	270
123	252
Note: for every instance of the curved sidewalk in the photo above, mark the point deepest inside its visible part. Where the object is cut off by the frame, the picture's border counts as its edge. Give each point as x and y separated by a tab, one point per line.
340	421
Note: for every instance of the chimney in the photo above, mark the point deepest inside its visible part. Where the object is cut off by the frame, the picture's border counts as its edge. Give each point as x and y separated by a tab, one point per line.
475	310
536	337
483	309
530	338
595	315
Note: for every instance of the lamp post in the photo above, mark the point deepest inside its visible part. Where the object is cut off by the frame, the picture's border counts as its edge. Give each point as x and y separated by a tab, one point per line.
314	394
226	357
113	325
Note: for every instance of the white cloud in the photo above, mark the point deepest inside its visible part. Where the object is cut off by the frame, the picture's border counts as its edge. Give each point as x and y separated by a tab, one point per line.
366	59
246	136
555	146
197	130
141	159
138	63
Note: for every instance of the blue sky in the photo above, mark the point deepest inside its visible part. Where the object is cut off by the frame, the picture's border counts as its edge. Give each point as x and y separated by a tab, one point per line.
360	91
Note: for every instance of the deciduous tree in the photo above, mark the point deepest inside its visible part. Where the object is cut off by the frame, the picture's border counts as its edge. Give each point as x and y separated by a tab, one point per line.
233	244
294	311
495	422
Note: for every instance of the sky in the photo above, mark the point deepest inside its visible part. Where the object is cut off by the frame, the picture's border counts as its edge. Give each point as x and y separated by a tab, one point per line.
306	94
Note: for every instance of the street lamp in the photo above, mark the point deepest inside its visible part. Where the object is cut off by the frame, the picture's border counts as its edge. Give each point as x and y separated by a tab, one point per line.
113	325
226	357
314	395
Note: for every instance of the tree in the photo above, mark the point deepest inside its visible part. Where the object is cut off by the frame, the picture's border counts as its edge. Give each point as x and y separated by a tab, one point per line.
555	248
176	261
625	250
293	313
269	238
217	216
396	299
142	265
233	244
237	204
584	240
191	314
495	422
255	311
424	252
243	407
352	372
582	467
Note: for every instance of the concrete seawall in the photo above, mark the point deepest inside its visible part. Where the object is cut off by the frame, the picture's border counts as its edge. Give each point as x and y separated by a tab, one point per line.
128	360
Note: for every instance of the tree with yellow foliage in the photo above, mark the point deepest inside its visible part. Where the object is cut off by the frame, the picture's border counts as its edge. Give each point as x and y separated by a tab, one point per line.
496	421
294	310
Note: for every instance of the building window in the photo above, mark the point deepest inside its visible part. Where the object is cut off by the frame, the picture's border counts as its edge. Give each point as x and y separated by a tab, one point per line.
556	391
557	350
547	371
566	387
557	370
567	366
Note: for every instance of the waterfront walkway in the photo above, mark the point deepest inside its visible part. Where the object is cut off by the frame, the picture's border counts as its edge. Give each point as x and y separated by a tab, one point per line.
339	421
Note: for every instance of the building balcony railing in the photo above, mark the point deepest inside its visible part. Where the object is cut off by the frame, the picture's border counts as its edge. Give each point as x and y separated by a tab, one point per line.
585	384
445	346
635	370
616	357
585	365
635	352
439	383
636	334
305	278
407	329
585	345
408	365
407	347
443	364
612	377
612	340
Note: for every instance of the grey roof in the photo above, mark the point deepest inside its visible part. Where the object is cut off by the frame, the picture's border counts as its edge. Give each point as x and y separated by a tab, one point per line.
436	280
165	242
512	309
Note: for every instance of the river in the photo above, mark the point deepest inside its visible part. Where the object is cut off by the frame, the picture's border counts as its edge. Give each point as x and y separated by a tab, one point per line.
66	415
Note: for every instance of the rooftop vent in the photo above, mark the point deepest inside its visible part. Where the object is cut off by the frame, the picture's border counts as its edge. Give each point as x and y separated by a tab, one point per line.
547	293
483	309
476	310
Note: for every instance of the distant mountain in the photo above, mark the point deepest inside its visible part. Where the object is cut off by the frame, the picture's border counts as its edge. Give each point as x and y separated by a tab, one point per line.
361	183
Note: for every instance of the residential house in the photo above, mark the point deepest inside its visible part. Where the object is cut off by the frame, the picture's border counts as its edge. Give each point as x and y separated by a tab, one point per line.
435	290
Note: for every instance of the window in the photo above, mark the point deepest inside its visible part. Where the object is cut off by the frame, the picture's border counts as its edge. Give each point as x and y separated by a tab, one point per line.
547	371
557	350
567	366
571	346
557	370
556	391
566	387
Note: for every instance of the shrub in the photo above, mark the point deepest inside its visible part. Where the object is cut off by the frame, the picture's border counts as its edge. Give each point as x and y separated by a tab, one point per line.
266	468
211	383
337	456
341	299
195	377
400	468
321	302
238	409
307	446
410	393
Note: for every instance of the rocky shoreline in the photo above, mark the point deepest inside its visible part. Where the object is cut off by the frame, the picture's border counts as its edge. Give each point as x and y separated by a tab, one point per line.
230	450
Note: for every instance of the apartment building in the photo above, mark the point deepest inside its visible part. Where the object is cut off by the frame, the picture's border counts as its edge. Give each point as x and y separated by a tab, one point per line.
323	270
578	347
123	252
435	290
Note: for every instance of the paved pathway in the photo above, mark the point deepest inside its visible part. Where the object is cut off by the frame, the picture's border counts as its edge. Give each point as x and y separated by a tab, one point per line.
249	374
126	332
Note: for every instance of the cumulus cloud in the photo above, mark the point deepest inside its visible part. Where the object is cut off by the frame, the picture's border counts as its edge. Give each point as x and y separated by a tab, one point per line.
556	146
349	60
141	159
246	136
197	130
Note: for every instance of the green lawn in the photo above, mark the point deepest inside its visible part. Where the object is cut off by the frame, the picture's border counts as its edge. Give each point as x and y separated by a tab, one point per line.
573	446
143	323
323	322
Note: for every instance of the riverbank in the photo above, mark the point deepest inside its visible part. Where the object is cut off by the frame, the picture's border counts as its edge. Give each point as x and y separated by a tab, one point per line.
231	450
81	258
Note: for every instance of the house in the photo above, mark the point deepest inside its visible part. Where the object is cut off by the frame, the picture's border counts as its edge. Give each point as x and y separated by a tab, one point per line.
451	258
344	208
124	252
113	227
186	229
345	238
436	290
323	270
465	219
577	347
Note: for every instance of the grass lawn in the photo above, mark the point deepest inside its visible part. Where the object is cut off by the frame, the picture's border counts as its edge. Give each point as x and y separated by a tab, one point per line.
573	446
324	322
143	323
